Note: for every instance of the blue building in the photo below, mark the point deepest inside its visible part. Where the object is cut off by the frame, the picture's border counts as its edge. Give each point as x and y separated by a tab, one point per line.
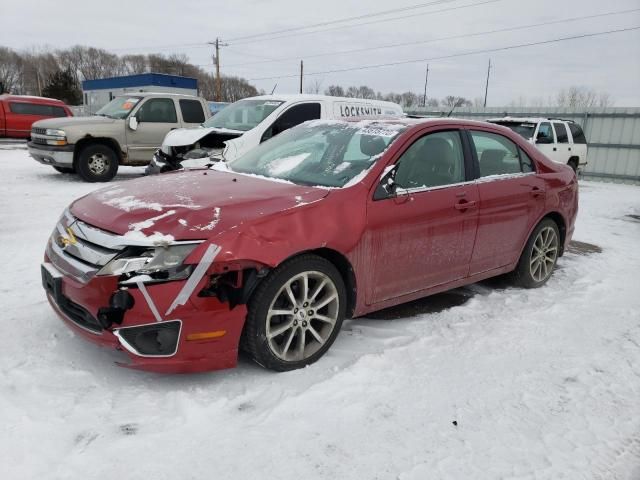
97	93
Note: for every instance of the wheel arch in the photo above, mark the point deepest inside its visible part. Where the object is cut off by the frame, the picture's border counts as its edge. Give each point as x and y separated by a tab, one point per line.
347	273
89	140
562	227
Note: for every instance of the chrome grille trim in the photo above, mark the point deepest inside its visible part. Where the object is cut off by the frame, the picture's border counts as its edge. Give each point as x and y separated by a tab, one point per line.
39	131
93	249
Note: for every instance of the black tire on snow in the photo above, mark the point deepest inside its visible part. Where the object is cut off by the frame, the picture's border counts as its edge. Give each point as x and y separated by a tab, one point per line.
88	155
254	340
522	275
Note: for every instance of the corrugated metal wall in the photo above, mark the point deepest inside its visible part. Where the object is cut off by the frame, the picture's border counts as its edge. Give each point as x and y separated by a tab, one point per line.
613	135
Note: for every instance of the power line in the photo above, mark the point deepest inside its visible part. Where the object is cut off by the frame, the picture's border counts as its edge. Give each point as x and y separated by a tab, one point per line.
422	42
251	39
464	54
460	7
342	20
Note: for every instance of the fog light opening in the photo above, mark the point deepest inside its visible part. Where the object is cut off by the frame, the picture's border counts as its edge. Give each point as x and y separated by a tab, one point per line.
151	340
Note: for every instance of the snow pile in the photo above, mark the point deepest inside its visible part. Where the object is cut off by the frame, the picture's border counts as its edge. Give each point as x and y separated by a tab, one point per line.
540	383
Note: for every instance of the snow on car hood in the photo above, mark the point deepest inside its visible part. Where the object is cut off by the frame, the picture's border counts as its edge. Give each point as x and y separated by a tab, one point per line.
189	205
187	136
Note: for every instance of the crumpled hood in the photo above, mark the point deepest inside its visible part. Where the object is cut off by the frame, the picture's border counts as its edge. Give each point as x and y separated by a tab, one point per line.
188	136
62	122
189	205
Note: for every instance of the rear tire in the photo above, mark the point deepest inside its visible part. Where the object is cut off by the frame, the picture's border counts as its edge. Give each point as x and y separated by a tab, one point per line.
97	163
65	169
539	257
295	314
573	163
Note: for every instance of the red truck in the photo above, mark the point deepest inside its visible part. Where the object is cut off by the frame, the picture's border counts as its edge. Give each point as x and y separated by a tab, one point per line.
19	112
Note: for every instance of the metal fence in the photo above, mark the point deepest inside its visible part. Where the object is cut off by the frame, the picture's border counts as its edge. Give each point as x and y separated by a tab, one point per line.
613	135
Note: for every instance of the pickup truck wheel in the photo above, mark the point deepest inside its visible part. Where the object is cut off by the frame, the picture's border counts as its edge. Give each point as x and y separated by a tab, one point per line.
97	163
539	257
295	314
65	169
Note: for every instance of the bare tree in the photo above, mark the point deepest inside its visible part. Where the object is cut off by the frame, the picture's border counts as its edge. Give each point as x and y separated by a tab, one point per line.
335	91
135	64
10	71
409	99
452	101
314	87
581	97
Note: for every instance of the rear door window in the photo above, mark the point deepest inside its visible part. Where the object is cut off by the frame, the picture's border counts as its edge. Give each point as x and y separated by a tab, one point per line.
497	155
192	111
561	132
22	108
577	133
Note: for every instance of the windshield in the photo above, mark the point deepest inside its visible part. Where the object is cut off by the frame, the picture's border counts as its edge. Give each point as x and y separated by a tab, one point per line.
523	129
119	107
321	153
243	115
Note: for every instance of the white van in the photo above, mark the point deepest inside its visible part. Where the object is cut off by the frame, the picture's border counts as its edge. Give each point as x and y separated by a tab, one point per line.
243	125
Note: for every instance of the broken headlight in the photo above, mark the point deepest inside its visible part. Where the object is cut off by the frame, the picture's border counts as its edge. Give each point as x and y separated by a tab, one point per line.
159	264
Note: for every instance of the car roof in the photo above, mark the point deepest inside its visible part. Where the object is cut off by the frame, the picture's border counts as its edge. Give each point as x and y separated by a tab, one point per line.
312	97
413	121
30	98
524	119
155	94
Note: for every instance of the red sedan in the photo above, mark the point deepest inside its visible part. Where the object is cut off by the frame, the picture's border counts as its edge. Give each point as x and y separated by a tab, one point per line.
325	221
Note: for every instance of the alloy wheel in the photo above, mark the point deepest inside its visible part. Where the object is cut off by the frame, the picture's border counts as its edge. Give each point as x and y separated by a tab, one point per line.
543	254
302	316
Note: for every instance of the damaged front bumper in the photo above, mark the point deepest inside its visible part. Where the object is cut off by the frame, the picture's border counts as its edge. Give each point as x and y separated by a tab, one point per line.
164	162
179	324
201	335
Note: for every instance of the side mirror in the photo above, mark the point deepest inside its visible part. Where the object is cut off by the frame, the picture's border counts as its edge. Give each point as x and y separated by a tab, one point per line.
133	122
387	187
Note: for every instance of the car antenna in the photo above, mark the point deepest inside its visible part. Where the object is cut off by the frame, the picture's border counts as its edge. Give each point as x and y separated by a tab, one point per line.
274	88
451	111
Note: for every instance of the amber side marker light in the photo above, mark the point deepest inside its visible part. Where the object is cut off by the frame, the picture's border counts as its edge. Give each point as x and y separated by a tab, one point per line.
206	335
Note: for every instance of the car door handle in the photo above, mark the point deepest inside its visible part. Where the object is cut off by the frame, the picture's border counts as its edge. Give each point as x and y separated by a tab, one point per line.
555	149
465	205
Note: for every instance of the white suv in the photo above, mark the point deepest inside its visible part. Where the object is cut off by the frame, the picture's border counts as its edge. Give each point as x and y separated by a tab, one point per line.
563	141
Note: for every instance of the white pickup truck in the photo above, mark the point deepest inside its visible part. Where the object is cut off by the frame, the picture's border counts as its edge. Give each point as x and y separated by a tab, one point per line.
563	141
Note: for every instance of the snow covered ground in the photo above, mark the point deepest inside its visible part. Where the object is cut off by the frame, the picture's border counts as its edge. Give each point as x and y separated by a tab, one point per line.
486	382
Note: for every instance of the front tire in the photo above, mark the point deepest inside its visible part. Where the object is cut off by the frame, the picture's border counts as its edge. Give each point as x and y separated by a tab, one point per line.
295	314
97	163
540	255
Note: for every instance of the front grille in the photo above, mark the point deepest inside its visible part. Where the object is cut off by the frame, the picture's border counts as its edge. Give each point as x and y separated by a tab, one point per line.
39	140
39	131
79	250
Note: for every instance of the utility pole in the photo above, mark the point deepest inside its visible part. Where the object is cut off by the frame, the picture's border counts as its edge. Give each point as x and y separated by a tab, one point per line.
426	81
216	59
301	74
486	88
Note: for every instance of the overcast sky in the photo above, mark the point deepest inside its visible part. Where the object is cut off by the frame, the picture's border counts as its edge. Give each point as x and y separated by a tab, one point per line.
608	63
